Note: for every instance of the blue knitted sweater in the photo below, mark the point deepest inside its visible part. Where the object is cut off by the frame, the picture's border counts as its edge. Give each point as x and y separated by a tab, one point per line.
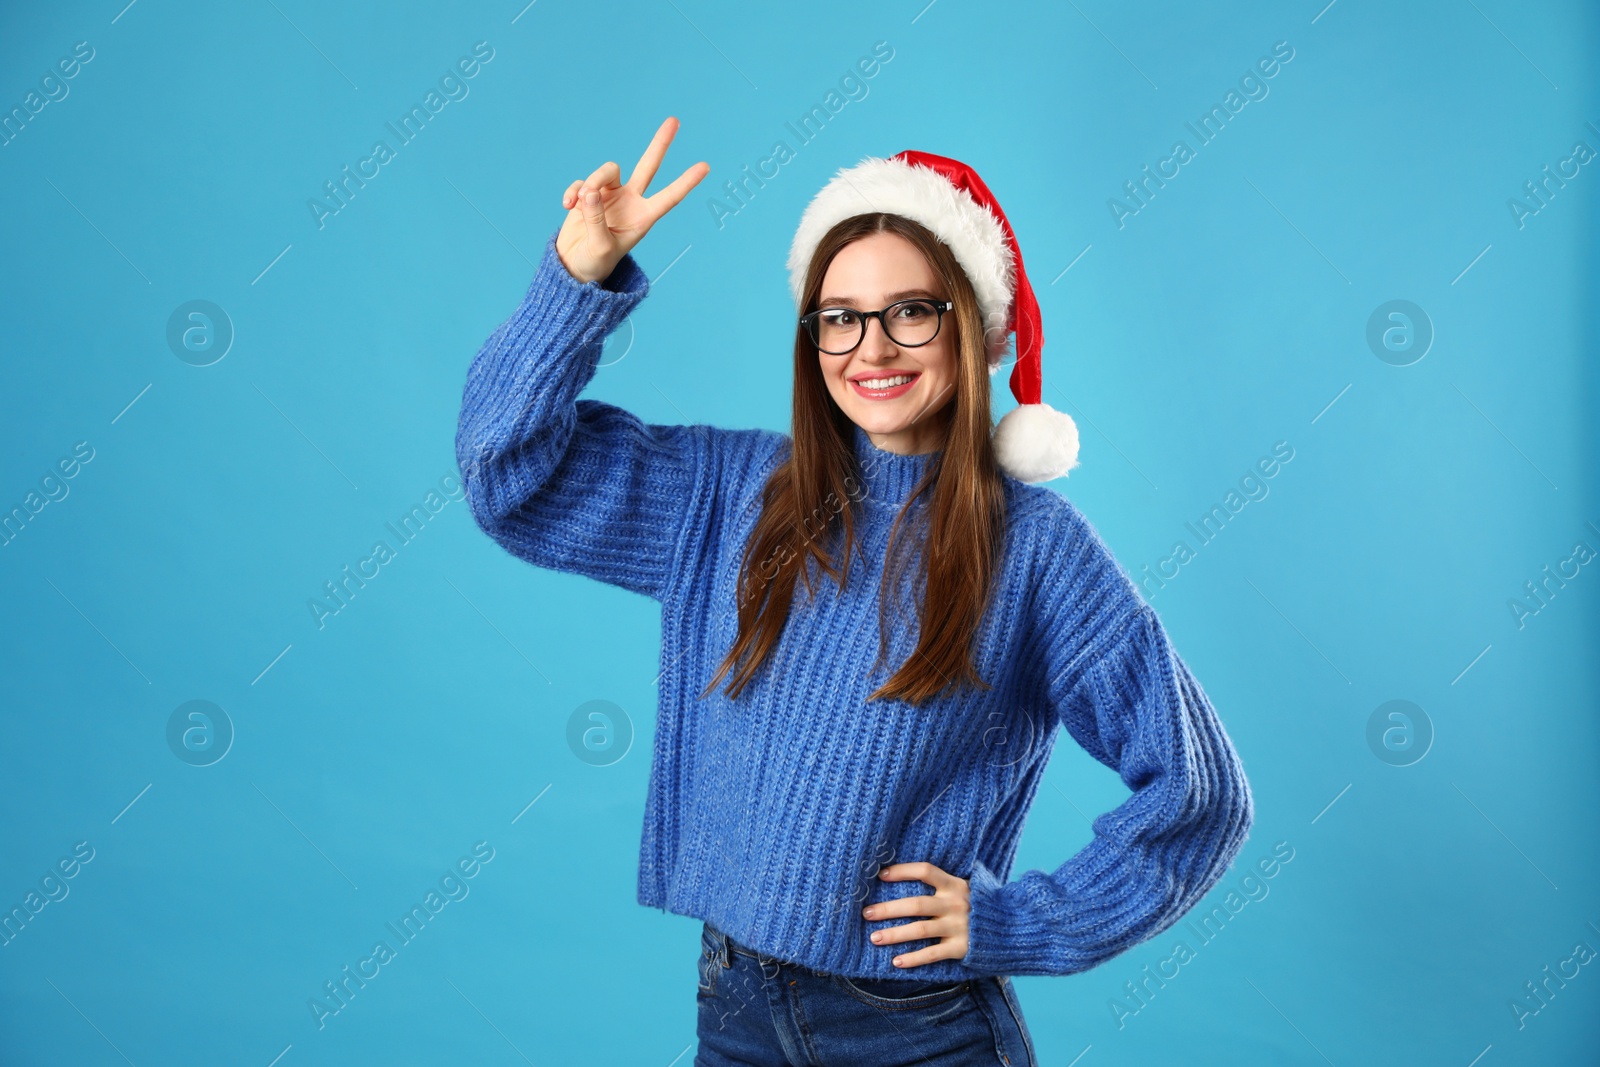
770	816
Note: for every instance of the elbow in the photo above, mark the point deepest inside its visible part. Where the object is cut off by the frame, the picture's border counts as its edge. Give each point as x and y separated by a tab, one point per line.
1218	838
495	481
1242	800
472	459
489	509
1222	814
1233	808
485	518
493	516
1242	818
473	463
1233	816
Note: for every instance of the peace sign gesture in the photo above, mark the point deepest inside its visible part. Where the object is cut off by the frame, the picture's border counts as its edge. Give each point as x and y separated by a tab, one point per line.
606	218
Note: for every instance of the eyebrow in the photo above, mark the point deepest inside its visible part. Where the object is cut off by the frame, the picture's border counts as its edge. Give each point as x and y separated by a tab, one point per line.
851	301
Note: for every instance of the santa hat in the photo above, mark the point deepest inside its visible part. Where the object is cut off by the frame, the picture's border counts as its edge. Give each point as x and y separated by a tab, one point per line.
1033	442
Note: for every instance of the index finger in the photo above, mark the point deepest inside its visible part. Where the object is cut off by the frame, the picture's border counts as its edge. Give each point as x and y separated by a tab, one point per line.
645	170
919	871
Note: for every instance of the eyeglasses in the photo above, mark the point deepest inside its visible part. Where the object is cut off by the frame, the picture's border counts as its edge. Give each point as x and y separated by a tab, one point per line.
908	323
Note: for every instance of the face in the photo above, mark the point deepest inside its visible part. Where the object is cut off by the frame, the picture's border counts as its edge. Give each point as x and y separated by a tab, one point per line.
895	394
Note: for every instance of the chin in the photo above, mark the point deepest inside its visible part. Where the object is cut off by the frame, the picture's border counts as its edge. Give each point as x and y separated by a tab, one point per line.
883	426
869	418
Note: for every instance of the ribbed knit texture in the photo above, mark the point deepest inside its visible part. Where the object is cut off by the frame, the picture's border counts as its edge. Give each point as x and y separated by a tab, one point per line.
769	816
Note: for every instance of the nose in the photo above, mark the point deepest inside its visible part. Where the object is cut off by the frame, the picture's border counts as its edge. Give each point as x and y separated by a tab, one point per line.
875	342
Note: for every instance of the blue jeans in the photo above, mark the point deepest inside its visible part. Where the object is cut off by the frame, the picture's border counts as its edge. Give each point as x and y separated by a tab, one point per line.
760	1011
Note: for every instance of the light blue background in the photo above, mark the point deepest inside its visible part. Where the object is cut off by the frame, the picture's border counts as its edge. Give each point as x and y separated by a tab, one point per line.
1228	314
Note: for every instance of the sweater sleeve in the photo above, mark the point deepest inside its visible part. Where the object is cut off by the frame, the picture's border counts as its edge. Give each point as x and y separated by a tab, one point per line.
1137	709
580	486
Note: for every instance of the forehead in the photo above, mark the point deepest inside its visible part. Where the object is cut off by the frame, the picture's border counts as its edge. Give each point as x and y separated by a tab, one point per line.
875	267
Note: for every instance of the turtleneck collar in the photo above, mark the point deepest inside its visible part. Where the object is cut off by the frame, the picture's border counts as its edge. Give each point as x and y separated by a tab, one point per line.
887	477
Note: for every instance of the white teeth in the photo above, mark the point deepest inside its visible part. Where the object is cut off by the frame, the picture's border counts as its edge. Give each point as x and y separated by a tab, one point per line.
884	383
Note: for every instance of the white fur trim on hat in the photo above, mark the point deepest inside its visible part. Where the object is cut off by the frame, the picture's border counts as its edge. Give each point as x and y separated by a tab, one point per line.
926	196
1035	442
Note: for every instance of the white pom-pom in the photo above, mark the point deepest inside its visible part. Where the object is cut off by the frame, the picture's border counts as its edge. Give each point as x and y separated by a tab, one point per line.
1035	442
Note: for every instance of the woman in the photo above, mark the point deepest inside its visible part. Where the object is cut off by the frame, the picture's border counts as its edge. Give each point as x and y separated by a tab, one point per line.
843	813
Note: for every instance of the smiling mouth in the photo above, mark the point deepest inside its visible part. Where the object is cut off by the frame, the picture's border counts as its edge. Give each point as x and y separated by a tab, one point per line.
885	386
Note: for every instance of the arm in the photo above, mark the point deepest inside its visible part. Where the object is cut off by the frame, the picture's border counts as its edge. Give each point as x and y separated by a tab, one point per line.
574	485
1137	709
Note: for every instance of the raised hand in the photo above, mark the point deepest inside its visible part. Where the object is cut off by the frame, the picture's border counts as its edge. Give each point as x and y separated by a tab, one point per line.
607	218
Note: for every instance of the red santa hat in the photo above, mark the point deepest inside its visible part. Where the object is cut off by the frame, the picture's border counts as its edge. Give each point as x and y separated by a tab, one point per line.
1033	441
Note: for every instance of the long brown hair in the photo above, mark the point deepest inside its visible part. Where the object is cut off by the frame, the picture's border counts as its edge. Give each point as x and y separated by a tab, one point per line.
806	502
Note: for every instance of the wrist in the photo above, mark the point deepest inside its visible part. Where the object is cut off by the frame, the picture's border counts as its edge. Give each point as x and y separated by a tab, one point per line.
625	277
584	277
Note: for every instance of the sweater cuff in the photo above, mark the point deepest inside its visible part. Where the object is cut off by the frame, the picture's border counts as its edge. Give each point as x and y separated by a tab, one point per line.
557	305
995	933
554	284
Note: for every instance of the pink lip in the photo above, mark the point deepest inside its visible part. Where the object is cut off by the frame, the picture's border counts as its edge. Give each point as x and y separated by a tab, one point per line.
884	394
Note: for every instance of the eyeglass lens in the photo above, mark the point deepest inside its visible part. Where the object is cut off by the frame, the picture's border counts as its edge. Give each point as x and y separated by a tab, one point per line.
910	323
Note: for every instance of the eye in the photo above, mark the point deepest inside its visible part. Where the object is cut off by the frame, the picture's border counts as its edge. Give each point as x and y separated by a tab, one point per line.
915	311
837	317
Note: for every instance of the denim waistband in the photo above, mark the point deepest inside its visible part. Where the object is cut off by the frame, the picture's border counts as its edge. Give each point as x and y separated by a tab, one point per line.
737	946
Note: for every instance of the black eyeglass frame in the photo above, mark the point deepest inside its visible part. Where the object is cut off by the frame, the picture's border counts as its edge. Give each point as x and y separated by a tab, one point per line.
808	322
